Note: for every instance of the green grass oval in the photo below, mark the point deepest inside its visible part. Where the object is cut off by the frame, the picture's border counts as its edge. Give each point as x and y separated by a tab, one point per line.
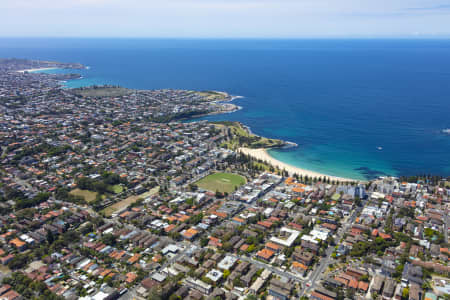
222	182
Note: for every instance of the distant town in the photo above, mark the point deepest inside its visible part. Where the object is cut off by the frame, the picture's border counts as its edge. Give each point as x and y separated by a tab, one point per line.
106	193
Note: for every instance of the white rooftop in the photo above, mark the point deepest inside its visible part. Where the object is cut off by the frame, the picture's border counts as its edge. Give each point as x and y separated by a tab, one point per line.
309	238
319	234
159	277
170	248
227	263
287	242
214	275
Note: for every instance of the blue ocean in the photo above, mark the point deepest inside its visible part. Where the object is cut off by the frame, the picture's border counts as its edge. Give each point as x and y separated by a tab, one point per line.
356	108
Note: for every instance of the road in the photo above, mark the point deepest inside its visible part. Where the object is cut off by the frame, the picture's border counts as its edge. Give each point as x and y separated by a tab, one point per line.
315	276
179	255
132	292
25	184
273	269
446	229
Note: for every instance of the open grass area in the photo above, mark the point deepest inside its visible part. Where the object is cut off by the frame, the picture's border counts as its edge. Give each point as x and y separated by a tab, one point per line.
89	196
212	95
222	182
152	192
117	189
243	138
126	202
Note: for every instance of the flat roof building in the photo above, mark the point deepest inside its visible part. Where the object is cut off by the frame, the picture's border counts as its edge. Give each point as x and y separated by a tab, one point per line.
291	236
227	263
214	275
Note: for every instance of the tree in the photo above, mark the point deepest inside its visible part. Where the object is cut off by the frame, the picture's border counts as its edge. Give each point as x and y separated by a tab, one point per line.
398	271
190	201
405	293
109	239
350	293
155	294
24	202
18	262
196	218
28	288
204	242
250	248
50	237
426	285
237	281
193	187
89	227
226	273
227	246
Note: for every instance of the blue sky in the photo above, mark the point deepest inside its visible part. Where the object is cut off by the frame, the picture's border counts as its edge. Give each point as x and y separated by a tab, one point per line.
225	18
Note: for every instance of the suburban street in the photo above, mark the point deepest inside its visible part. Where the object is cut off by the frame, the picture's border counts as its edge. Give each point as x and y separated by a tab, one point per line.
271	268
315	276
447	227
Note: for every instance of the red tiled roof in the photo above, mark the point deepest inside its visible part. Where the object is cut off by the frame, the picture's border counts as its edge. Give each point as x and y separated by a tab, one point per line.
296	226
363	285
320	296
353	283
265	253
272	246
385	236
266	224
244	247
298	265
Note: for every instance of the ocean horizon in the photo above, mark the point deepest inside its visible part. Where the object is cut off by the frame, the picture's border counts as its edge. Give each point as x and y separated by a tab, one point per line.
356	108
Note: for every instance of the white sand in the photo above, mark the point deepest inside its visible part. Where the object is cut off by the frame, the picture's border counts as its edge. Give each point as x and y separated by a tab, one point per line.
37	69
264	156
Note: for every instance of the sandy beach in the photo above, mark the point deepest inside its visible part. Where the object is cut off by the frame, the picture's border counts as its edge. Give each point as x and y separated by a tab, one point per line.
37	69
264	156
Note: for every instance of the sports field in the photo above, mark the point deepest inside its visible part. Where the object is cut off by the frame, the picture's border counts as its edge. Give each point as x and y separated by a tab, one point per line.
89	196
126	202
222	182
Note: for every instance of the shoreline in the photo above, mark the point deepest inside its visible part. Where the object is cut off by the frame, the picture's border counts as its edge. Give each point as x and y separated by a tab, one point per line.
287	144
262	154
36	69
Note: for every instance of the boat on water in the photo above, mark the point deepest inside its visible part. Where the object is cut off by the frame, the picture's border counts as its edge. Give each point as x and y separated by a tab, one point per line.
380	148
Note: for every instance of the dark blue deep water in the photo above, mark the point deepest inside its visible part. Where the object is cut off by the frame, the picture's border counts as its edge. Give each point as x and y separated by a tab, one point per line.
339	100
